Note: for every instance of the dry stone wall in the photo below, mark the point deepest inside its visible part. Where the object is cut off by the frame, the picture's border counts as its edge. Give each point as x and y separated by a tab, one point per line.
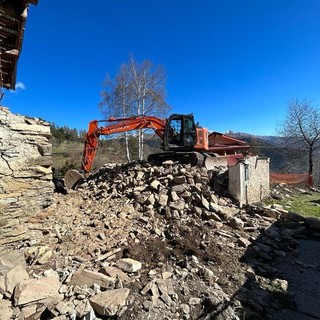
25	172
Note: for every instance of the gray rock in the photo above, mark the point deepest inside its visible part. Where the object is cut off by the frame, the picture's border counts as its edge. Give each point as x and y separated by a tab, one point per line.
313	223
180	180
129	265
88	277
236	223
109	302
5	310
15	276
44	290
84	310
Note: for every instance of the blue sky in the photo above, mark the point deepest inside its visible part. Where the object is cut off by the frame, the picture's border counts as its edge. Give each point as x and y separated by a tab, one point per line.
235	64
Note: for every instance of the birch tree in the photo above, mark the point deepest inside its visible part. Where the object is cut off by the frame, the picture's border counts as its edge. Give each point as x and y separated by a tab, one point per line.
301	128
138	89
116	100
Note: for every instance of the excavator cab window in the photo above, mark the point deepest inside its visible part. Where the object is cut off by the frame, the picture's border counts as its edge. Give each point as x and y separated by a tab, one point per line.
175	132
180	133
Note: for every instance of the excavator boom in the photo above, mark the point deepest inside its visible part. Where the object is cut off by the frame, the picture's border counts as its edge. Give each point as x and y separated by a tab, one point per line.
117	125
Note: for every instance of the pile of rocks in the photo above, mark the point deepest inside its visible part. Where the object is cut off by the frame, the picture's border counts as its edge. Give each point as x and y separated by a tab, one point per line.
142	242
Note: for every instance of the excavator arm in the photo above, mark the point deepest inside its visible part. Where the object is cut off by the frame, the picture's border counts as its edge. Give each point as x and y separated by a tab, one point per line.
117	125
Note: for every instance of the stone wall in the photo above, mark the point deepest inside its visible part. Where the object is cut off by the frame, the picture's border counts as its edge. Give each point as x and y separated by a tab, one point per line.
25	172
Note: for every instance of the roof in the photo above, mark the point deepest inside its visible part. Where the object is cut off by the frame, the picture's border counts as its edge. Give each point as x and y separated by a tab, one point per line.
13	15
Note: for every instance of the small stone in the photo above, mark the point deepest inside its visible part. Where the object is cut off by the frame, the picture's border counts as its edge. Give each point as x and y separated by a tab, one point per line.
147	305
84	310
163	200
15	276
313	223
236	223
166	275
205	202
129	265
180	180
243	242
185	309
194	301
206	273
155	184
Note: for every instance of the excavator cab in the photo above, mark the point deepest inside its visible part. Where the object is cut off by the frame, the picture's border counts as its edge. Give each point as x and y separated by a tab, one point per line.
180	133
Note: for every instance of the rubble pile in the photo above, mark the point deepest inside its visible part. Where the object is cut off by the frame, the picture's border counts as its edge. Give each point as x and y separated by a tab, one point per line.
151	242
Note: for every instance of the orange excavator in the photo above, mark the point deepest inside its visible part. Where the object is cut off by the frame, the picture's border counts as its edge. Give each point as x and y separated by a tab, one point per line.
182	140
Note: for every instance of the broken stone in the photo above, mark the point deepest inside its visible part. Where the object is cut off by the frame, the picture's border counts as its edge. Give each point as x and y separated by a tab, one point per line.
5	310
84	310
177	205
15	276
243	242
313	223
44	290
205	202
155	184
129	265
109	302
12	258
291	216
236	223
114	272
166	275
180	180
174	196
206	273
88	277
163	199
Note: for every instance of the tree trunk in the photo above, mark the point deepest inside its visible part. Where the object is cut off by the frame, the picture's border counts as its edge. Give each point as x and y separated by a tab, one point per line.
310	160
127	146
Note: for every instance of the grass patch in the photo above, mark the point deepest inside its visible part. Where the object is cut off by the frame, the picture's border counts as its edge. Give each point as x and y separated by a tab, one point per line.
306	204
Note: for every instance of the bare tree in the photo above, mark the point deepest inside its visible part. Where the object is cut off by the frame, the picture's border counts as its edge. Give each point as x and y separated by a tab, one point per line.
138	89
301	128
116	101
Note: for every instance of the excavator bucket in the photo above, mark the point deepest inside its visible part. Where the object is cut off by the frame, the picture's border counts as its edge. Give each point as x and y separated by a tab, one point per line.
72	178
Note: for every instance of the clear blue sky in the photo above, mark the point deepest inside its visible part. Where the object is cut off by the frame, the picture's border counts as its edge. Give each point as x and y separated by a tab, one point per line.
235	64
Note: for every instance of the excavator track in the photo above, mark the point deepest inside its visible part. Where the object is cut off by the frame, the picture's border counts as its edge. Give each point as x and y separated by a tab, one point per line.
193	158
209	161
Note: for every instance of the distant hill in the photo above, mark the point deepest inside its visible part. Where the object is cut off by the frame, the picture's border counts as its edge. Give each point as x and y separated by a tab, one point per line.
283	159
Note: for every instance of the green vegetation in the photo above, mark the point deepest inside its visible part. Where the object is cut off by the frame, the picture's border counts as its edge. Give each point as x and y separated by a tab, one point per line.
306	204
60	134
